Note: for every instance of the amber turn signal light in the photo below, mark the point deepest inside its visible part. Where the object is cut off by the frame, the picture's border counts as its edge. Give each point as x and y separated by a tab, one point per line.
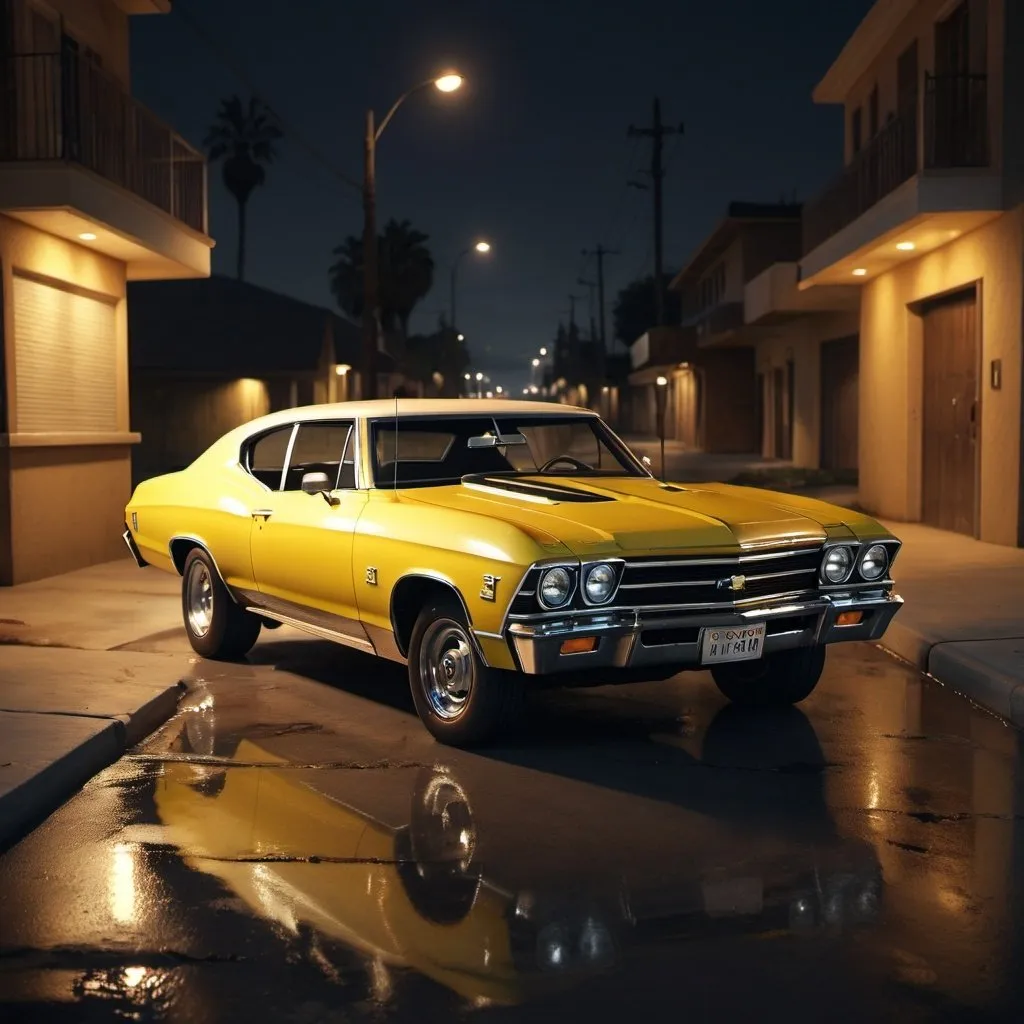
849	618
579	645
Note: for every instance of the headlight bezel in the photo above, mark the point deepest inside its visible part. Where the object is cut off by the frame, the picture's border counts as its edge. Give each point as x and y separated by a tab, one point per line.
572	572
862	557
615	566
851	553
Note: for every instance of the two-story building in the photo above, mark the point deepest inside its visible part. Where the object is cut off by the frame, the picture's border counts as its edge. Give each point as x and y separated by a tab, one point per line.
95	191
927	218
740	370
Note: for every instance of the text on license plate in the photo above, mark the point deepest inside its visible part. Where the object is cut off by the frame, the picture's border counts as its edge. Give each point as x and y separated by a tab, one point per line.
732	643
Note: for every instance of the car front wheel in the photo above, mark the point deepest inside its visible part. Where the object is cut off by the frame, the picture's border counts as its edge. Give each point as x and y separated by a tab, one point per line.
776	680
217	627
461	701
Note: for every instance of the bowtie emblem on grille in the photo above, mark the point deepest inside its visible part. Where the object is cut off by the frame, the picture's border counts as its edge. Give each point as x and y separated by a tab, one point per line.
733	583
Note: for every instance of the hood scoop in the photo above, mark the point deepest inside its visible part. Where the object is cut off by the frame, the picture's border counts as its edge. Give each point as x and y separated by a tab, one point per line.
531	490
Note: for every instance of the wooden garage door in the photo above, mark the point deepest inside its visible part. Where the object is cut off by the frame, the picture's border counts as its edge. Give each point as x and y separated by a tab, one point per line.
65	359
840	382
950	413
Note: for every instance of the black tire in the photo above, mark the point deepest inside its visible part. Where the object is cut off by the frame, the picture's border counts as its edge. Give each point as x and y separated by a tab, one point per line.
493	700
777	680
230	630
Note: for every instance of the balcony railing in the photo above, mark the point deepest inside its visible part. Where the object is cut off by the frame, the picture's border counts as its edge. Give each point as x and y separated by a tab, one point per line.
956	121
62	107
956	135
889	159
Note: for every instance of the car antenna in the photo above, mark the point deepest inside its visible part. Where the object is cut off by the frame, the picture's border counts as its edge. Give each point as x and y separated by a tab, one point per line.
396	443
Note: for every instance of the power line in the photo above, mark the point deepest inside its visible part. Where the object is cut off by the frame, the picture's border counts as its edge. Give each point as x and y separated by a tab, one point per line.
221	53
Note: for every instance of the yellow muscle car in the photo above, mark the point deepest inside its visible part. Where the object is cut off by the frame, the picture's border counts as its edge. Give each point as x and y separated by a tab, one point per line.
488	543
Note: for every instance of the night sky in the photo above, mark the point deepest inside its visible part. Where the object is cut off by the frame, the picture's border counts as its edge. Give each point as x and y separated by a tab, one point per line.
532	153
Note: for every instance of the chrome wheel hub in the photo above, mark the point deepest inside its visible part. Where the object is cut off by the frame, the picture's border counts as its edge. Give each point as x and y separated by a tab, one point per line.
199	599
446	668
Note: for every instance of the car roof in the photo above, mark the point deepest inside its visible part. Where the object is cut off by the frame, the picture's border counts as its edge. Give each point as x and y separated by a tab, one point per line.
409	407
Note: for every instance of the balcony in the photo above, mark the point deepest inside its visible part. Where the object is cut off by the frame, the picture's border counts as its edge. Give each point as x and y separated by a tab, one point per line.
933	178
79	155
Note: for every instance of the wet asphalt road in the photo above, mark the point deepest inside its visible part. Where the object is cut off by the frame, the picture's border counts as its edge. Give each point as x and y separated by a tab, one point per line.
294	847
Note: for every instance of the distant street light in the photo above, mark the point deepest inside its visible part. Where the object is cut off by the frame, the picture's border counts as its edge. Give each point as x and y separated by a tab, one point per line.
371	299
481	247
461	337
543	351
535	363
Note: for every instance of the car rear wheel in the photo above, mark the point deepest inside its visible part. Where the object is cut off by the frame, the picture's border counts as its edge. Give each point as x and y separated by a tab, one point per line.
217	627
776	680
461	701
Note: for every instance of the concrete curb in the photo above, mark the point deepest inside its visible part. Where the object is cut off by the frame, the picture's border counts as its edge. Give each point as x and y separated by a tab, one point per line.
94	743
983	671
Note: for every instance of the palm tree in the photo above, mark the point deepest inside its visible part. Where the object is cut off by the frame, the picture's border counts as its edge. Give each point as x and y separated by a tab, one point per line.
406	274
244	137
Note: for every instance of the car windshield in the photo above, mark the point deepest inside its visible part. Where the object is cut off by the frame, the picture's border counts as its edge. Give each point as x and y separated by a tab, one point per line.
436	450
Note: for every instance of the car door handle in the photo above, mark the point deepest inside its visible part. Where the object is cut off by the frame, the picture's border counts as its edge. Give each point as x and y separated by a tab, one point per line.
262	513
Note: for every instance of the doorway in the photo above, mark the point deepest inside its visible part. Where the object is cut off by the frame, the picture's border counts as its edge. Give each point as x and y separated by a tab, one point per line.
951	413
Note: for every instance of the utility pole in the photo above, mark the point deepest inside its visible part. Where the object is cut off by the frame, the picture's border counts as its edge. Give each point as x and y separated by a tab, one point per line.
656	133
600	252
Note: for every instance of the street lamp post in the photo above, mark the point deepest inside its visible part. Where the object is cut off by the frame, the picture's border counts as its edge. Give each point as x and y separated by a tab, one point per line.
371	296
480	247
660	396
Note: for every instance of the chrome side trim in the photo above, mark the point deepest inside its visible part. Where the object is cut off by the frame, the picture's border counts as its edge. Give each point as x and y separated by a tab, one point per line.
320	631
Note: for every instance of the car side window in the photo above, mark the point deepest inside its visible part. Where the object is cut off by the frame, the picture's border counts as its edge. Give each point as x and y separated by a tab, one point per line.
266	456
323	448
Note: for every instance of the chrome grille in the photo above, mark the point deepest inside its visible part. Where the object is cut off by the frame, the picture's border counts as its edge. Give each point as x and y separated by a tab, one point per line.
657	582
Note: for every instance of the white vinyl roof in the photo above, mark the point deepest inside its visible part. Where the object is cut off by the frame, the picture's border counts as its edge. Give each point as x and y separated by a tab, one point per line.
407	407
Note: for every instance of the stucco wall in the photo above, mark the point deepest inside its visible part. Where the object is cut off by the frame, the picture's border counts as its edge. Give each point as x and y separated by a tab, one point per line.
65	503
801	341
891	367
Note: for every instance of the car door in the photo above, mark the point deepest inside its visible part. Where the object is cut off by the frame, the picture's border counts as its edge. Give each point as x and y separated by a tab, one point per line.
301	543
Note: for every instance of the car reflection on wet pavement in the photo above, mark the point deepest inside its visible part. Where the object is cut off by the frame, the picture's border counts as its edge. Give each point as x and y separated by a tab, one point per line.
293	847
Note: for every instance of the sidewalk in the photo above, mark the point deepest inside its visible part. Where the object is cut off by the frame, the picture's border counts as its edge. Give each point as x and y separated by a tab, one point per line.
963	620
71	701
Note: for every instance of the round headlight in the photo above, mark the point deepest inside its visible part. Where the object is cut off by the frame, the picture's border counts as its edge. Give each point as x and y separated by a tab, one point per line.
836	566
599	583
874	562
555	587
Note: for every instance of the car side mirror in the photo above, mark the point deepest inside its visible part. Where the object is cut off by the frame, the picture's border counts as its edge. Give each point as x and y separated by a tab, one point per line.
315	483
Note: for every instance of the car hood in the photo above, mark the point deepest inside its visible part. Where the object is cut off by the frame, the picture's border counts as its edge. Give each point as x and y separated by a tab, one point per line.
640	515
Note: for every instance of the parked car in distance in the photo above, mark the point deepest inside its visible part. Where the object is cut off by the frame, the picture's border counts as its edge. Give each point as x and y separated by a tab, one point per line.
489	545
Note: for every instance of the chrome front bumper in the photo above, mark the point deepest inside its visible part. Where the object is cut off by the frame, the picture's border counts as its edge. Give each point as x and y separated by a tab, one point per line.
133	548
631	640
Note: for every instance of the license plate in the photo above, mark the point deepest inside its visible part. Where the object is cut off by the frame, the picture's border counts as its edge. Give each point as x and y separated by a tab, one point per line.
732	643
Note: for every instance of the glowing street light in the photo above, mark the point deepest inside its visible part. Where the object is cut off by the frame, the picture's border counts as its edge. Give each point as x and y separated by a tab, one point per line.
448	82
535	363
482	246
543	351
